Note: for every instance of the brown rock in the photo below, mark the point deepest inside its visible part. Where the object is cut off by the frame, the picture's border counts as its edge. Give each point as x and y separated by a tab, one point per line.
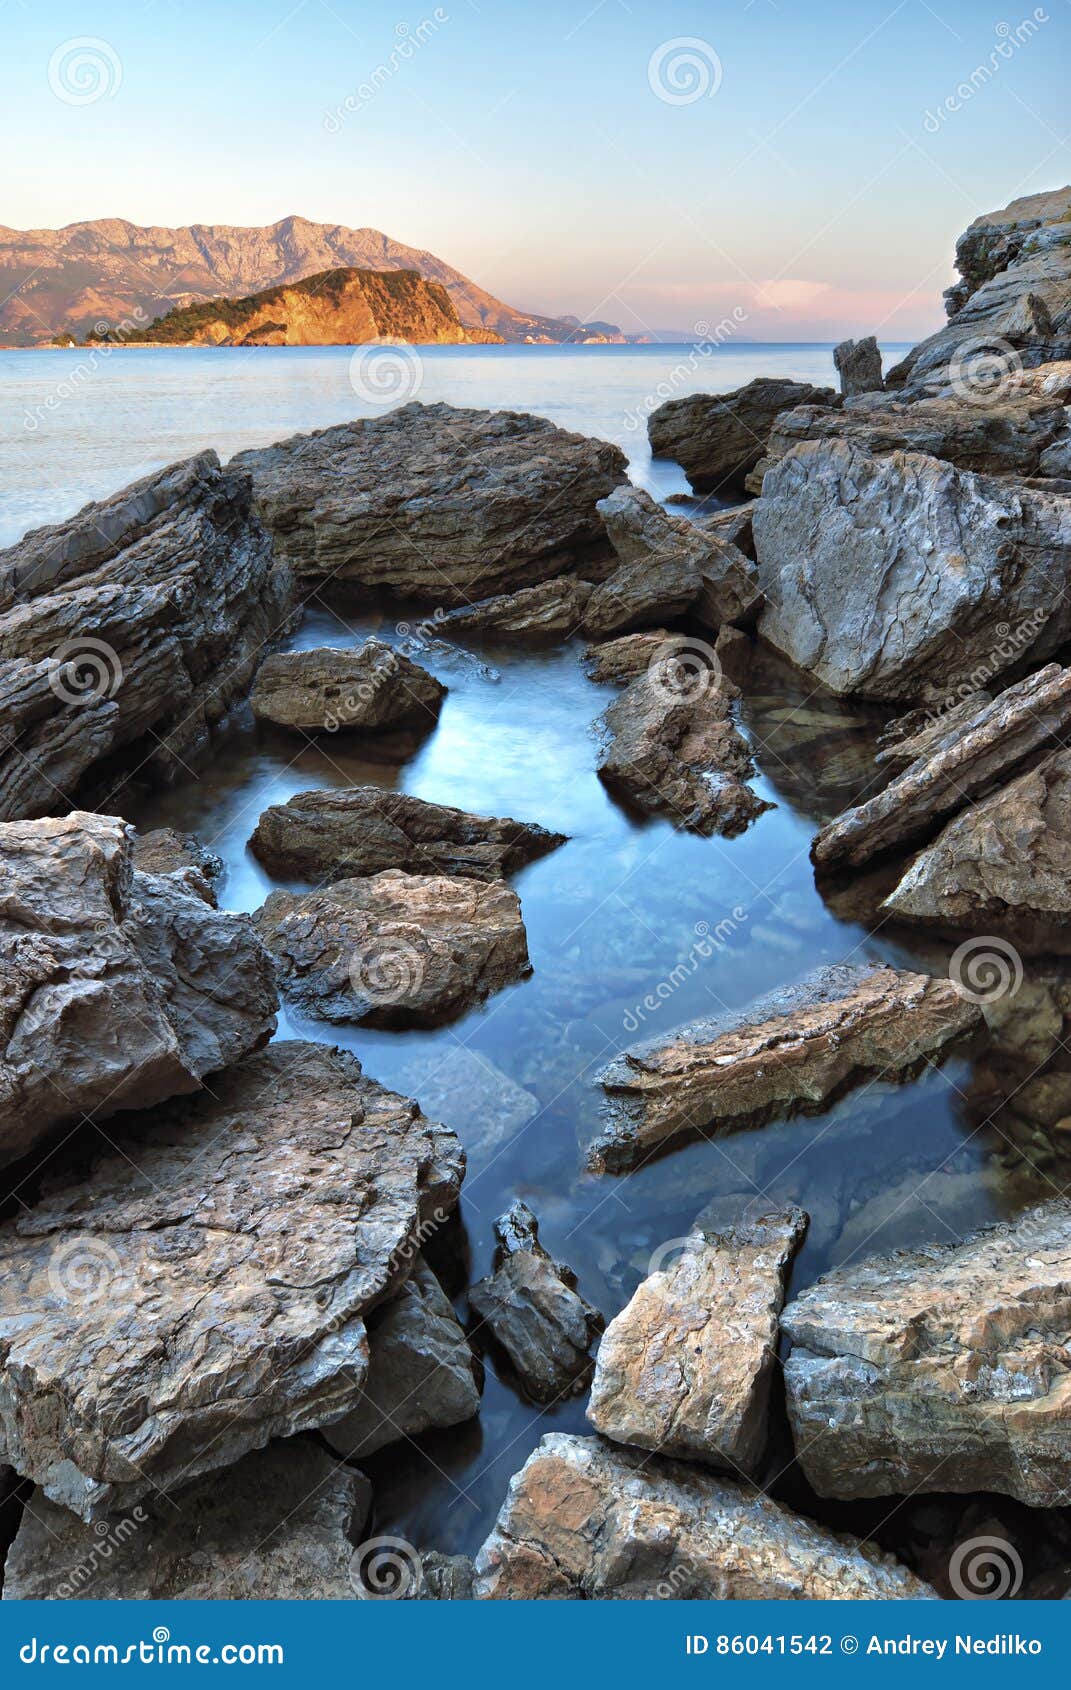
627	656
793	1049
551	610
583	1520
685	1368
395	949
163	851
718	438
939	1369
360	690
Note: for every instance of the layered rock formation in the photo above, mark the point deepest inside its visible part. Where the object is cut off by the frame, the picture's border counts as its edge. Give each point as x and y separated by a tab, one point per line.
118	988
211	1294
939	1369
551	610
583	1521
793	1049
395	949
685	1368
435	502
530	1304
129	631
858	364
331	835
325	690
717	438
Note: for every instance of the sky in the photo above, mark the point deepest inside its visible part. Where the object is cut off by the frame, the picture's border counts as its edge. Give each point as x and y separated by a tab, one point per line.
797	170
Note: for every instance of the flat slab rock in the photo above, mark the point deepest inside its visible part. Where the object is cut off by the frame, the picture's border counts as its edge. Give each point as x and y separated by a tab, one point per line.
324	690
963	763
671	747
395	949
685	1368
531	1306
118	988
281	1524
333	835
793	1049
550	610
717	438
939	1369
436	502
129	631
1003	866
585	1520
901	577
421	1372
182	1303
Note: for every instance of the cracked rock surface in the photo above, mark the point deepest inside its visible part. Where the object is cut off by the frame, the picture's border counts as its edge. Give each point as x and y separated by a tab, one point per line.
717	438
324	690
203	1292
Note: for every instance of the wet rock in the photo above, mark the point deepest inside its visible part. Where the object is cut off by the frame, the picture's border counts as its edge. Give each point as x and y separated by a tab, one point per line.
420	1371
685	1368
582	1519
332	835
718	438
129	631
395	949
531	1306
435	502
672	748
901	577
910	737
628	656
164	851
118	989
550	610
858	364
470	1093
1003	866
964	763
939	1369
795	1048
444	1578
186	1301
281	1524
366	688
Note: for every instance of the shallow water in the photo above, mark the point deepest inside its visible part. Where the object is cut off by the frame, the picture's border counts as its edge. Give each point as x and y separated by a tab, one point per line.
611	915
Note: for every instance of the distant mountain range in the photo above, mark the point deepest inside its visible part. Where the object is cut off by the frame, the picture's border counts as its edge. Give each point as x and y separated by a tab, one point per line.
110	273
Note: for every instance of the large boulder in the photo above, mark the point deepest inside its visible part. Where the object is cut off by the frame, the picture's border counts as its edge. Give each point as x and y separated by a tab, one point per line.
796	1048
530	1305
958	766
584	1520
128	632
939	1369
435	502
685	1368
280	1525
421	1372
901	577
395	949
718	438
118	989
332	835
1014	299
366	688
184	1300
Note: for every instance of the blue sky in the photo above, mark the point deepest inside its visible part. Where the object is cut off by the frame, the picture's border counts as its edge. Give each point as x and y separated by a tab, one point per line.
815	183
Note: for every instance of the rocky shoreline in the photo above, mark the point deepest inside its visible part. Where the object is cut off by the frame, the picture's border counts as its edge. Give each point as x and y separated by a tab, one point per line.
235	1263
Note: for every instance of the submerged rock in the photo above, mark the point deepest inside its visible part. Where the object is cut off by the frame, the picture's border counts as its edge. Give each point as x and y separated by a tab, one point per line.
551	610
118	989
188	1300
685	1368
531	1306
395	949
795	1048
420	1371
584	1520
280	1525
435	502
332	835
176	579
858	364
325	690
718	438
939	1369
901	577
672	748
962	764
